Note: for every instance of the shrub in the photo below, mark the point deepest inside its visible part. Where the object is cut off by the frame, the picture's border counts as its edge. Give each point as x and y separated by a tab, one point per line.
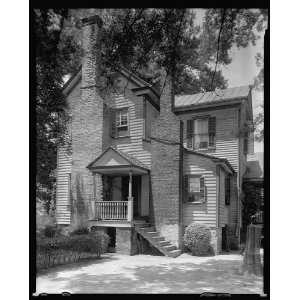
103	238
197	239
81	230
92	242
50	231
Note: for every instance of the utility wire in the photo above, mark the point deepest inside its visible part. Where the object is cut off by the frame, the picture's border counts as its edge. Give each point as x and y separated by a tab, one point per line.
219	37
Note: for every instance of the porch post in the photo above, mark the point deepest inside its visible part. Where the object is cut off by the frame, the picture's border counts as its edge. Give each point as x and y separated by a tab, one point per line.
130	199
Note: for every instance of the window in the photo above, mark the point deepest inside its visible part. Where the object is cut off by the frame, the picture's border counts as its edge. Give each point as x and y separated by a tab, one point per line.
195	190
120	123
201	133
227	190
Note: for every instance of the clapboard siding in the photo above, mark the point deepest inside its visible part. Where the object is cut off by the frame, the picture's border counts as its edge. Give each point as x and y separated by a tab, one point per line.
227	141
64	167
133	144
205	213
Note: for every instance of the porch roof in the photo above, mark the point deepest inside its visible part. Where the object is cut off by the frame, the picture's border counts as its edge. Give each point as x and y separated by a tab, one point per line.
113	161
221	161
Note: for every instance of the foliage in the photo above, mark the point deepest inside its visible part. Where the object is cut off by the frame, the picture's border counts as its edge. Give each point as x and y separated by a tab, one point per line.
259	125
78	243
251	203
50	231
103	238
78	231
259	85
144	41
197	239
49	100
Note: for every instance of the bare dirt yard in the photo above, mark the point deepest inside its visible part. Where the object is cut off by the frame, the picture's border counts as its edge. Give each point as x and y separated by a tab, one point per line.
115	273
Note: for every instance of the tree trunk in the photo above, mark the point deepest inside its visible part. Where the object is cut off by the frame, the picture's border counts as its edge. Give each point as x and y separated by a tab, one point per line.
252	262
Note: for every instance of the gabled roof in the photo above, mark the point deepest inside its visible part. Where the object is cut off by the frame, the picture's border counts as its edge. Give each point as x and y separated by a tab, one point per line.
215	159
215	97
122	70
113	157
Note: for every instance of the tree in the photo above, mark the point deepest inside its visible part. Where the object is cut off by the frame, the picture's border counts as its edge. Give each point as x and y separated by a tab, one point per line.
51	59
144	41
259	85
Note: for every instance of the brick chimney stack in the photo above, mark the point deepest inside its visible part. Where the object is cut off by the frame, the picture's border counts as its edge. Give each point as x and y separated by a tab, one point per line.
166	171
87	123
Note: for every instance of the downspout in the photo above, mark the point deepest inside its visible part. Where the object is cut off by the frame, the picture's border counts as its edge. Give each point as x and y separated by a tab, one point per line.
239	174
218	197
181	187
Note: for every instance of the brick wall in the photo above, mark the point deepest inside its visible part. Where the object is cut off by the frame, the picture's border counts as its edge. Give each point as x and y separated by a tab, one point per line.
165	171
87	125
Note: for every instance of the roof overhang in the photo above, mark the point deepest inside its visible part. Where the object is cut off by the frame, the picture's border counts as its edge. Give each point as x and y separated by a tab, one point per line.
222	162
119	170
151	95
221	104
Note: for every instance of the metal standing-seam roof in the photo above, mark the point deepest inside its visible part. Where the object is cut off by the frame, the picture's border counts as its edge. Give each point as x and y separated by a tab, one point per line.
182	101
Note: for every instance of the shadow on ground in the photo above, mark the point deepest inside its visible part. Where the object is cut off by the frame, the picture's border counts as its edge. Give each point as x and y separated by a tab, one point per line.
110	276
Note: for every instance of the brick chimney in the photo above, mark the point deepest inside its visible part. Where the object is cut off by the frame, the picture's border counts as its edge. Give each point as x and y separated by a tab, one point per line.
87	123
166	171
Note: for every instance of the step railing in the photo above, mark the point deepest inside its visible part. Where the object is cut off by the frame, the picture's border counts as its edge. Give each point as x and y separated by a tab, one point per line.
111	210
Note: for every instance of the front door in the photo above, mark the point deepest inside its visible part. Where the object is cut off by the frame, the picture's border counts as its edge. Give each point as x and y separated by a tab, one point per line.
136	192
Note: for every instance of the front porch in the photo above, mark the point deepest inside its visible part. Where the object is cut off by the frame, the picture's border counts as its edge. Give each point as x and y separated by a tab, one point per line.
124	196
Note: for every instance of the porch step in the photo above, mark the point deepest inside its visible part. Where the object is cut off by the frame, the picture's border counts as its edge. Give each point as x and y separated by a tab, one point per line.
159	242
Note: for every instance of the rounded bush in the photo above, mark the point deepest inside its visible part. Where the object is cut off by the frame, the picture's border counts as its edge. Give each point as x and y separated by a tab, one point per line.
197	239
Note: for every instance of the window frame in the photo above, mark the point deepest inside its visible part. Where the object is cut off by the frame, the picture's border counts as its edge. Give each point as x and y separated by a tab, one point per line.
119	115
227	185
206	118
197	193
211	136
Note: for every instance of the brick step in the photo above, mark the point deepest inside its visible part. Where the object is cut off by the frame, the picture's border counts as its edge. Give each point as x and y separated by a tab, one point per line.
159	242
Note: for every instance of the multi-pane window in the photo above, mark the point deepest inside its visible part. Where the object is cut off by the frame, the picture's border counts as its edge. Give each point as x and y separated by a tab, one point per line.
201	133
120	123
195	189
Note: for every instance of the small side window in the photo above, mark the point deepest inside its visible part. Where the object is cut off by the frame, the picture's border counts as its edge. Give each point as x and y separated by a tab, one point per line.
227	190
195	189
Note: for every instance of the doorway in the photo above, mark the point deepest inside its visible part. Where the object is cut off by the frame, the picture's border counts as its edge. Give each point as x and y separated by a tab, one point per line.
111	232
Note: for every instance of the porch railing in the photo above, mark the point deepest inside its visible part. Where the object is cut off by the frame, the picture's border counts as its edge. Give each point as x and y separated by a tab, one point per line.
112	210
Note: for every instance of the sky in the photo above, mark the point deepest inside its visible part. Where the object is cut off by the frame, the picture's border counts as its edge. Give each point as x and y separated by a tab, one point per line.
242	70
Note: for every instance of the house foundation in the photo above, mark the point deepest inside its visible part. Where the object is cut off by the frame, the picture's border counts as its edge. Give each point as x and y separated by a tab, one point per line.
126	241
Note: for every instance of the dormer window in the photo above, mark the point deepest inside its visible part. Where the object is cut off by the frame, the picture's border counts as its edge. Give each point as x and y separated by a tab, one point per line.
120	123
201	133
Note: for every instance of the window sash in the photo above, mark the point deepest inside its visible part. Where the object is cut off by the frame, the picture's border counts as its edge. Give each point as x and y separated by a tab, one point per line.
196	192
122	118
